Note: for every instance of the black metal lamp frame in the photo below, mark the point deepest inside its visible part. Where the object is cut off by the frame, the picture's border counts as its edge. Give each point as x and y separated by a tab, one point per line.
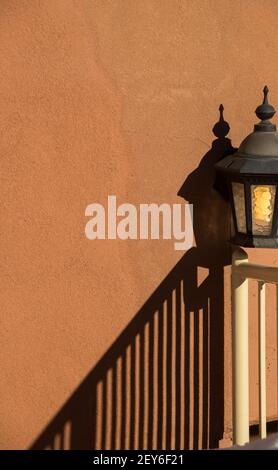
255	163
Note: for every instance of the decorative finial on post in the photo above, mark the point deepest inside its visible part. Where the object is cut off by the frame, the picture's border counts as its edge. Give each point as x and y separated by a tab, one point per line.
265	91
265	112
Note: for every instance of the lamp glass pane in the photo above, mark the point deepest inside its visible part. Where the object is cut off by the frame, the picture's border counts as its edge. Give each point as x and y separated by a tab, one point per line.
263	197
239	203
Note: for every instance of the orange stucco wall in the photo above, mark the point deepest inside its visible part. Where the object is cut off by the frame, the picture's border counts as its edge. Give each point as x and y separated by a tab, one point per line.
97	98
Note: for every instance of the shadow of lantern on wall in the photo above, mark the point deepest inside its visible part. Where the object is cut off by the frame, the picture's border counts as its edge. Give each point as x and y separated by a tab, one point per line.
251	175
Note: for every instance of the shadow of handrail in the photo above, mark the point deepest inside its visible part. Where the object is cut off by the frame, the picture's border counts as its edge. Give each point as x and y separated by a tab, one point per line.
161	383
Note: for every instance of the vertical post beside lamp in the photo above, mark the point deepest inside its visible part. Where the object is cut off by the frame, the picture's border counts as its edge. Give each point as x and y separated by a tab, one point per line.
251	175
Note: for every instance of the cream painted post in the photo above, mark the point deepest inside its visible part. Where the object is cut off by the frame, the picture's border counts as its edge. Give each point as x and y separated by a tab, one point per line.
240	350
277	348
262	351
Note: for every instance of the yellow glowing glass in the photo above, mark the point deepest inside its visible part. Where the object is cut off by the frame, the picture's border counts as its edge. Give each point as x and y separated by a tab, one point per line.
262	208
239	204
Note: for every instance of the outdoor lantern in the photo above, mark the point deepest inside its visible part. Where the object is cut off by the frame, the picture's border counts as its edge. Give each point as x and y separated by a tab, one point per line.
251	175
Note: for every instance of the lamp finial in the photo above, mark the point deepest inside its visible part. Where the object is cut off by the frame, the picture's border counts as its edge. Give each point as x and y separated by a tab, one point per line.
265	92
265	112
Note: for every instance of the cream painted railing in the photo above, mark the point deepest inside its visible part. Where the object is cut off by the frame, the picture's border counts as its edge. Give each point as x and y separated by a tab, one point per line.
242	270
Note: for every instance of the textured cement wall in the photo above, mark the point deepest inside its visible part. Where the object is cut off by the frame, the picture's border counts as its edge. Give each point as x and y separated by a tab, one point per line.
97	98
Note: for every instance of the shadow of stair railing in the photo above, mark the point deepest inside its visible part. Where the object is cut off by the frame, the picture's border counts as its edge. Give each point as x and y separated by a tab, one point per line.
161	384
139	395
